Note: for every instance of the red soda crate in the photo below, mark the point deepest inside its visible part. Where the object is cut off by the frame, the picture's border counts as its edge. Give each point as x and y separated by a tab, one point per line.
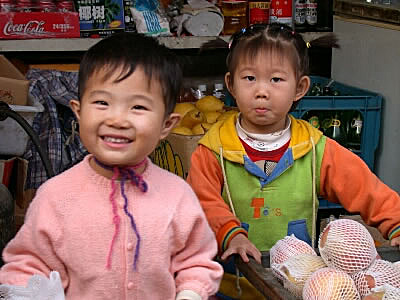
39	25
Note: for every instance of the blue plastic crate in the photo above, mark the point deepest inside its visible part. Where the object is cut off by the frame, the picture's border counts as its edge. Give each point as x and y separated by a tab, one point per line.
351	98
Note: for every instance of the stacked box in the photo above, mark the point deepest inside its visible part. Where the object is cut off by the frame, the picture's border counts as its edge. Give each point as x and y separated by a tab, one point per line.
100	18
38	25
129	22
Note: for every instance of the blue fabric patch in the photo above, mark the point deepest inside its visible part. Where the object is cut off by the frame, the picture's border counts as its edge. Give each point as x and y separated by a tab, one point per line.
299	229
284	163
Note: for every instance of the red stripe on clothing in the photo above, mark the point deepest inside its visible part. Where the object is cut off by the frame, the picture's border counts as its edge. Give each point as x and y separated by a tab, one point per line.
256	155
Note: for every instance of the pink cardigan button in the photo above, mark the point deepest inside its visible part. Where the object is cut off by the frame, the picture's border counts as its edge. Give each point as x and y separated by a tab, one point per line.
130	285
130	246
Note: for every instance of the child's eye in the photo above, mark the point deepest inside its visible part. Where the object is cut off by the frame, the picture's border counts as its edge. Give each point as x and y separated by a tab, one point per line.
100	102
276	79
139	107
250	78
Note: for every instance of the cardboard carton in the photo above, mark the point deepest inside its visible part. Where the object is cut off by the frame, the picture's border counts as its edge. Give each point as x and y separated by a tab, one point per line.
174	153
13	84
38	25
100	18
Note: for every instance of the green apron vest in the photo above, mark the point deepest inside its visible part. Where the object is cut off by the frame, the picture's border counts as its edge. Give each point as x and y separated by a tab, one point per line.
268	209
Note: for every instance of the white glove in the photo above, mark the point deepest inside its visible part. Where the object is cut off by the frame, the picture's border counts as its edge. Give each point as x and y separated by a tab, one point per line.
38	288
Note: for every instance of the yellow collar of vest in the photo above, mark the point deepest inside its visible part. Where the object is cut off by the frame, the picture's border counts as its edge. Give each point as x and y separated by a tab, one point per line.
223	135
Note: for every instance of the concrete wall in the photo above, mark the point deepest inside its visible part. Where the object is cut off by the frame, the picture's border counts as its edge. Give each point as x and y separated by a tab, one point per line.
370	59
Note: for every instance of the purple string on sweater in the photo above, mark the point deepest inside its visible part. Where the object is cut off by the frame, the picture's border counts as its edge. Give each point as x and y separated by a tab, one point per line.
136	179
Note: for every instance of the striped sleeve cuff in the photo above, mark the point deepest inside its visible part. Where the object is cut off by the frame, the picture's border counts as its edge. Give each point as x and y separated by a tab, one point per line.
231	234
227	233
394	233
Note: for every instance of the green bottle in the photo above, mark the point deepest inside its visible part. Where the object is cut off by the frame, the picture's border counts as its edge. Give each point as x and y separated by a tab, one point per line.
336	129
355	131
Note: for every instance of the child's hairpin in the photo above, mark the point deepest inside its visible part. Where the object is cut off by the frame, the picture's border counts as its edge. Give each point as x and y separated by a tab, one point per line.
308	45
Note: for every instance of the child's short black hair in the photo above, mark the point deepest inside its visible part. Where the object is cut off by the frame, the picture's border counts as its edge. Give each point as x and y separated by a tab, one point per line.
125	52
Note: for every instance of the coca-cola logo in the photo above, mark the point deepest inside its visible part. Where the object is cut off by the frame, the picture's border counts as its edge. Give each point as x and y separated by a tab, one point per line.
32	27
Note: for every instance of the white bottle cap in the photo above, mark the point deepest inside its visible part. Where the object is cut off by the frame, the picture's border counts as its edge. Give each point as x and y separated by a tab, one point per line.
219	86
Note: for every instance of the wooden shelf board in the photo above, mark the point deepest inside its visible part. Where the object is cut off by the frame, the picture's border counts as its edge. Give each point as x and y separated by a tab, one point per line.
82	44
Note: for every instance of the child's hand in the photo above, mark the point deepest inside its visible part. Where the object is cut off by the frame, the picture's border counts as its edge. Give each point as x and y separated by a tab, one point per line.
241	245
395	241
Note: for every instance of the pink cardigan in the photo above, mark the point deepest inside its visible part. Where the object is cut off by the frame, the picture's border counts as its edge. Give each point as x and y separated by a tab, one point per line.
69	228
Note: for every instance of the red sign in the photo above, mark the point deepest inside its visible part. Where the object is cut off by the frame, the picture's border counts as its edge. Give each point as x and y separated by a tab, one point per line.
39	25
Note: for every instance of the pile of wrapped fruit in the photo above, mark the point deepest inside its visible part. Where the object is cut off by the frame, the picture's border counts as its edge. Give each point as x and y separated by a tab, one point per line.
348	267
198	117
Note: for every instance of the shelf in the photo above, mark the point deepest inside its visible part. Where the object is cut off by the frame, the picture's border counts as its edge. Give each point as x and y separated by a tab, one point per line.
82	44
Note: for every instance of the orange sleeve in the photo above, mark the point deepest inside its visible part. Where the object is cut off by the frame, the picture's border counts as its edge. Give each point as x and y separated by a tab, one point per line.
205	177
347	180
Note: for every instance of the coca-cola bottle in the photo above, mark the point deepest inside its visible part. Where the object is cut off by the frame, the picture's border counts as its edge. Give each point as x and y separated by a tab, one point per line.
6	6
25	6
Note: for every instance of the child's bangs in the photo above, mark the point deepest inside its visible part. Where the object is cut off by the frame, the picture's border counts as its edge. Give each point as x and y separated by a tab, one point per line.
251	49
113	69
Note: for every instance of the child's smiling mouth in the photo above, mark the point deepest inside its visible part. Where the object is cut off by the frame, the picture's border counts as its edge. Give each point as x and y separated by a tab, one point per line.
116	140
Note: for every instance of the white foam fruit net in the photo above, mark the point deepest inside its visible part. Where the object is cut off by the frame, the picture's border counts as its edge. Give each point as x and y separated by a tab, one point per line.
330	284
287	247
38	288
347	245
381	272
297	269
397	264
384	292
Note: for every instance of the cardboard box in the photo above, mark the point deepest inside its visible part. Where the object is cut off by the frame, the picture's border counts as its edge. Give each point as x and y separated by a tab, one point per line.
13	84
174	153
130	25
6	168
38	25
100	18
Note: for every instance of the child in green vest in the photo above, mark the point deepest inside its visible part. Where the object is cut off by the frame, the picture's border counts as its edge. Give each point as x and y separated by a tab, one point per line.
263	169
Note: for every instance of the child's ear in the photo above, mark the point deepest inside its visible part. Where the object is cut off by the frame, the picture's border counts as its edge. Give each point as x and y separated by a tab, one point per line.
302	87
76	108
169	124
228	82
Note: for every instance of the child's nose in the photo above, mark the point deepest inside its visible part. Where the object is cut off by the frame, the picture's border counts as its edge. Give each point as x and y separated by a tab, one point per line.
117	119
262	91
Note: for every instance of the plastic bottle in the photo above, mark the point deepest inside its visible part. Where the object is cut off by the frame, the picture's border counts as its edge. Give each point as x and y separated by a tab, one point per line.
219	91
300	13
311	14
200	91
235	16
